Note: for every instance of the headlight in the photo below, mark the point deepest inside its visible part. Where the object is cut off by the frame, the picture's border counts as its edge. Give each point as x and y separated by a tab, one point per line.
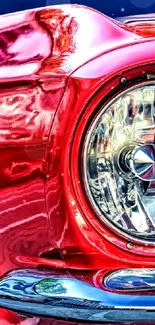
119	162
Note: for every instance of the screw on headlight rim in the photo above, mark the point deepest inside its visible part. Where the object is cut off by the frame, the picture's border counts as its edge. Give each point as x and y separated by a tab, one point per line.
123	80
129	245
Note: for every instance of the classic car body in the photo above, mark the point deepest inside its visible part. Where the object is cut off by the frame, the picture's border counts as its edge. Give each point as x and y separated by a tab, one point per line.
58	67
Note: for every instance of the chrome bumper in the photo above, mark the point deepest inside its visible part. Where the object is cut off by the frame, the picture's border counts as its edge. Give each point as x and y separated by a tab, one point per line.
51	294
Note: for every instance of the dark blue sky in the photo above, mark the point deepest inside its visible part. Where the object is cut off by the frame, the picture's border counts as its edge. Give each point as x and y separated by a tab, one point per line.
113	8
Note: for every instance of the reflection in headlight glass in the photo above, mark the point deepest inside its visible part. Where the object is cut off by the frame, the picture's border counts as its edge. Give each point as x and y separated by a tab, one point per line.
117	192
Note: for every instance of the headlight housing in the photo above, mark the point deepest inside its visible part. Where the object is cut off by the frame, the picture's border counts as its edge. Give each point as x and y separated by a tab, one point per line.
119	162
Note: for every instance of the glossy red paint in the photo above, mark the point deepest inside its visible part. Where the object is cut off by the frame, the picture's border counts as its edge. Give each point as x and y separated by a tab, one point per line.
56	65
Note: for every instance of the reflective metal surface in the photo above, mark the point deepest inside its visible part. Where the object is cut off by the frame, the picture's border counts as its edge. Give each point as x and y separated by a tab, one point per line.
119	178
52	60
131	280
62	296
137	18
143	162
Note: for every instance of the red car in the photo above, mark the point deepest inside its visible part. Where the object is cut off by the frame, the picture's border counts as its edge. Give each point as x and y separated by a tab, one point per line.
77	170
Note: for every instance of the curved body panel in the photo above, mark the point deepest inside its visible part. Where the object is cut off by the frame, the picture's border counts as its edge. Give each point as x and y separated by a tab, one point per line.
39	50
56	66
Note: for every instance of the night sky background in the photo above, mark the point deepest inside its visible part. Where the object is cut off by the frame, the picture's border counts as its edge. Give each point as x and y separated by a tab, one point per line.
113	8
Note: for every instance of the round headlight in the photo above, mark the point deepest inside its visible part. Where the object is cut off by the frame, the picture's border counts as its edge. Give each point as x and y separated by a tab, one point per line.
119	162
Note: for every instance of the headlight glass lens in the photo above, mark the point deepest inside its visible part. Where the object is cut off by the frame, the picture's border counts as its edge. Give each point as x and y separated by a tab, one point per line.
119	162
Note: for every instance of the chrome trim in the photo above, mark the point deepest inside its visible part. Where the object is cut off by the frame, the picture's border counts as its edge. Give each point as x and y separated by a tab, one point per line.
143	162
135	19
61	296
130	280
105	220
